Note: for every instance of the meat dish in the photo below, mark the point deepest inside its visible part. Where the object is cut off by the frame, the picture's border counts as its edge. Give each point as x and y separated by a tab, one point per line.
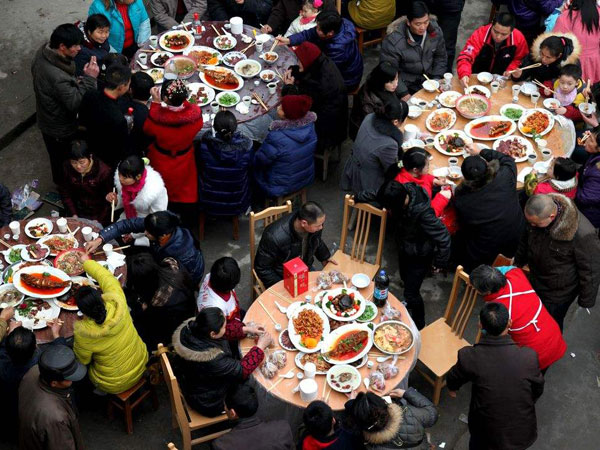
348	345
232	58
535	123
343	304
267	76
176	41
477	91
31	306
199	97
224	43
60	243
204	57
393	338
71	261
36	251
285	341
343	381
309	325
39	230
222	76
317	359
270	56
452	143
440	120
161	59
512	147
491	128
43	281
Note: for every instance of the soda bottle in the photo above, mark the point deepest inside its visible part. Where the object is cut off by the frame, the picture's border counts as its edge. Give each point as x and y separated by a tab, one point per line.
129	119
197	25
380	294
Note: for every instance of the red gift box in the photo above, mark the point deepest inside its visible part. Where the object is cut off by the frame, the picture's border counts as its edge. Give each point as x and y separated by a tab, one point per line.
295	277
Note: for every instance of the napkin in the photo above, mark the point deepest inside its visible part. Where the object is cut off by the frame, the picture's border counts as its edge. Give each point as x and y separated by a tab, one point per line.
242	108
116	260
523	173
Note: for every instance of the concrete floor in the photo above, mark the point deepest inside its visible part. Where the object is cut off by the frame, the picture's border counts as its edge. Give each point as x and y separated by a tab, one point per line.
568	412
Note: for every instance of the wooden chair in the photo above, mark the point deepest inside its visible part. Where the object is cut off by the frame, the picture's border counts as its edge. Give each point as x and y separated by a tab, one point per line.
182	415
268	216
354	262
282	199
442	339
235	220
361	32
325	155
128	400
171	446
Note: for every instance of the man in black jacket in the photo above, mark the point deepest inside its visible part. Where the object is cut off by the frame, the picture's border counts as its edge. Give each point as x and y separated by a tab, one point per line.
298	235
506	384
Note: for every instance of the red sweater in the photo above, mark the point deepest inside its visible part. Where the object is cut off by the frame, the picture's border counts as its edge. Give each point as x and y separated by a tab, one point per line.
129	37
438	203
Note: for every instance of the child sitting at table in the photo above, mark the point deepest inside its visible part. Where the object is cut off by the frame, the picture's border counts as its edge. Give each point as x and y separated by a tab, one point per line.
568	90
322	431
562	175
307	18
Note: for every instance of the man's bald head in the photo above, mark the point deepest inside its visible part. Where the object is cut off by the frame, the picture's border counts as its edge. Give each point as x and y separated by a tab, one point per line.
540	210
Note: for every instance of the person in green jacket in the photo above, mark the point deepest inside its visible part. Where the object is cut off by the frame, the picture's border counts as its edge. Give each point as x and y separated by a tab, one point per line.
372	14
106	339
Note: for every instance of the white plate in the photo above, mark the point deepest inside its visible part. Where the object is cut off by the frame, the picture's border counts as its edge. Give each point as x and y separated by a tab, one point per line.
104	264
17	251
375	309
6	287
291	308
38	221
157	74
156	55
446	102
25	255
193	88
221	94
340	368
511	106
218	39
460	133
241	57
189	35
263	73
14	268
299	365
80	280
293	349
255	64
50	236
263	38
43	315
434	113
201	48
551	104
323	297
479	87
529	150
469	125
529	88
40	269
204	80
335	335
398	322
528	113
295	337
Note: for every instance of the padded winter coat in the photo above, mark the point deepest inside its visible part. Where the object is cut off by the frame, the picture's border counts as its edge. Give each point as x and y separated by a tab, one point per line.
224	172
285	162
113	350
138	16
372	14
588	194
529	13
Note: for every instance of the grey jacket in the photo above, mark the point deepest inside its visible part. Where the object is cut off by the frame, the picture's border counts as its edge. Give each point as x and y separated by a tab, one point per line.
164	11
375	149
414	61
58	92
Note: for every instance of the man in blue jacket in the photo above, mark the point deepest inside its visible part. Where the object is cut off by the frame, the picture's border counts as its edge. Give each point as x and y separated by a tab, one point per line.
337	39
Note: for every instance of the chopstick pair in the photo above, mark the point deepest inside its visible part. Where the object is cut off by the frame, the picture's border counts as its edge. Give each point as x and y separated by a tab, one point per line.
542	85
532	66
429	79
267	311
260	100
246	49
6	243
114	249
281	296
215	28
274	385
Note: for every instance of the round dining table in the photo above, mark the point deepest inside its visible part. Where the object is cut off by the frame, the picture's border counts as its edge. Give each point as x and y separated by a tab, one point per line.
281	389
44	335
251	85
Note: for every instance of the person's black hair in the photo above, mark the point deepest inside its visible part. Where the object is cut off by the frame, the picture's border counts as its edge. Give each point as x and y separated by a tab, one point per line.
132	166
588	14
417	10
564	169
415	158
493	318
224	274
116	75
94	22
368	412
175	97
161	223
571	70
329	21
505	19
20	346
394	109
79	150
318	420
66	34
487	279
311	212
596	133
140	86
90	303
241	397
382	73
112	59
209	319
558	45
225	125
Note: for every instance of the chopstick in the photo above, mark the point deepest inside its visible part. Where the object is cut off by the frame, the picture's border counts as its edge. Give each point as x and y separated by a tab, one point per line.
72	233
274	45
277	294
6	243
112	209
225	31
275	384
259	100
532	66
328	394
246	49
589	85
428	79
114	249
543	86
150	51
267	311
184	26
216	31
278	73
324	389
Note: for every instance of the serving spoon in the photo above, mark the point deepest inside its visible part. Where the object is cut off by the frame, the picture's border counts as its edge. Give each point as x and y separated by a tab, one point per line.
288	375
282	309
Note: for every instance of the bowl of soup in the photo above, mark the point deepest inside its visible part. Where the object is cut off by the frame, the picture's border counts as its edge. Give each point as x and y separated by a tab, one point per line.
473	106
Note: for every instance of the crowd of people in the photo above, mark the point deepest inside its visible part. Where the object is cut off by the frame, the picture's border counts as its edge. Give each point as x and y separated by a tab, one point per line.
117	141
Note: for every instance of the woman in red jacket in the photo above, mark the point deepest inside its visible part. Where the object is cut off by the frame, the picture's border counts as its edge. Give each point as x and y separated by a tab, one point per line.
173	123
530	323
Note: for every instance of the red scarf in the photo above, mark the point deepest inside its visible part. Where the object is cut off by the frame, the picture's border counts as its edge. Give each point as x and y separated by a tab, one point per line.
129	193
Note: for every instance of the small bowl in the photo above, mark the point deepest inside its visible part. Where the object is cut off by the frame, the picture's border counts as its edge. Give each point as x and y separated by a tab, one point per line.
485	77
587	109
454	173
414	111
528	88
552	104
360	280
431	85
269	61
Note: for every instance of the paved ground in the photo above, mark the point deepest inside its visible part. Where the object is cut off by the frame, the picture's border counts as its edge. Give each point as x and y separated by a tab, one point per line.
568	412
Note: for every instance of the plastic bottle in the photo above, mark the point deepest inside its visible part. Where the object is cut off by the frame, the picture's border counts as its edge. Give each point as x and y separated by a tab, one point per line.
380	294
171	71
197	25
129	119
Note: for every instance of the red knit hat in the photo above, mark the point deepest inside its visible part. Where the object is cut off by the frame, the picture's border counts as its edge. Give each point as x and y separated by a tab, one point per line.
307	53
295	106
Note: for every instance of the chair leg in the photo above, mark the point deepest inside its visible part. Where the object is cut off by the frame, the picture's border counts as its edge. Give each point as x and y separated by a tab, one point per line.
186	436
201	220
236	228
110	410
361	40
437	390
128	417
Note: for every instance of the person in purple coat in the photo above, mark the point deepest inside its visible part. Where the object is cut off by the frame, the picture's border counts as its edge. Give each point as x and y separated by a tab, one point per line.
530	14
588	193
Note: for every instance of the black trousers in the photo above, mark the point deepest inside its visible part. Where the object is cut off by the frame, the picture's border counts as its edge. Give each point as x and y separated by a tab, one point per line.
558	311
58	151
449	23
413	270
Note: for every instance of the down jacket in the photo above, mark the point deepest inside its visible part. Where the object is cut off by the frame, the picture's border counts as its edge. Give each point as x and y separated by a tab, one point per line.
224	174
253	12
529	13
372	14
563	257
284	12
588	193
285	161
414	61
342	49
280	243
151	198
113	350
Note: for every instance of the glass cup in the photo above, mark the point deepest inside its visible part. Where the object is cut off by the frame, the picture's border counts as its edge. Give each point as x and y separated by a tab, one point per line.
259	46
153	41
247	100
15	228
534	98
87	233
453	161
495	85
62	225
215	107
546	154
107	249
515	90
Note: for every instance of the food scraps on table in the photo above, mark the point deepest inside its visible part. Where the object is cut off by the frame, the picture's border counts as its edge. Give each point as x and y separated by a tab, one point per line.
309	325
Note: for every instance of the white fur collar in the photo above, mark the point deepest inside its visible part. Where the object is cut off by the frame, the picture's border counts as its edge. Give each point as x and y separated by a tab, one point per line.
153	196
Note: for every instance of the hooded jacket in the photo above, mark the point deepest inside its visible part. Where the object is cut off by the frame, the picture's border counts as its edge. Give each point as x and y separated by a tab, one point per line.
342	49
285	162
563	257
413	61
224	178
58	93
113	351
588	194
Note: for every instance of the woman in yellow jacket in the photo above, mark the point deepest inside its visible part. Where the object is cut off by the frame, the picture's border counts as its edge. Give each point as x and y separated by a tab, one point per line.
106	339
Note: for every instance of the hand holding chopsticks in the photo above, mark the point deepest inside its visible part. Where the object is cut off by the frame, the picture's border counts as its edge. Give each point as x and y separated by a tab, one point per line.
114	249
532	66
543	86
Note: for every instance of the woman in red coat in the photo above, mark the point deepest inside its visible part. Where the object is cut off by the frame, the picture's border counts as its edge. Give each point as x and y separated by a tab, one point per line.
173	123
530	323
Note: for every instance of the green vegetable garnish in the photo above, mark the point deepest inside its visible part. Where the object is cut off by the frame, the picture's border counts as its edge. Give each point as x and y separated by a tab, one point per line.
227	100
15	255
368	314
513	113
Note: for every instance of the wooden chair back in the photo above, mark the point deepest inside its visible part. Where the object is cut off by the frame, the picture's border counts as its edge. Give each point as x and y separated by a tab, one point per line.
458	317
268	216
364	213
175	395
